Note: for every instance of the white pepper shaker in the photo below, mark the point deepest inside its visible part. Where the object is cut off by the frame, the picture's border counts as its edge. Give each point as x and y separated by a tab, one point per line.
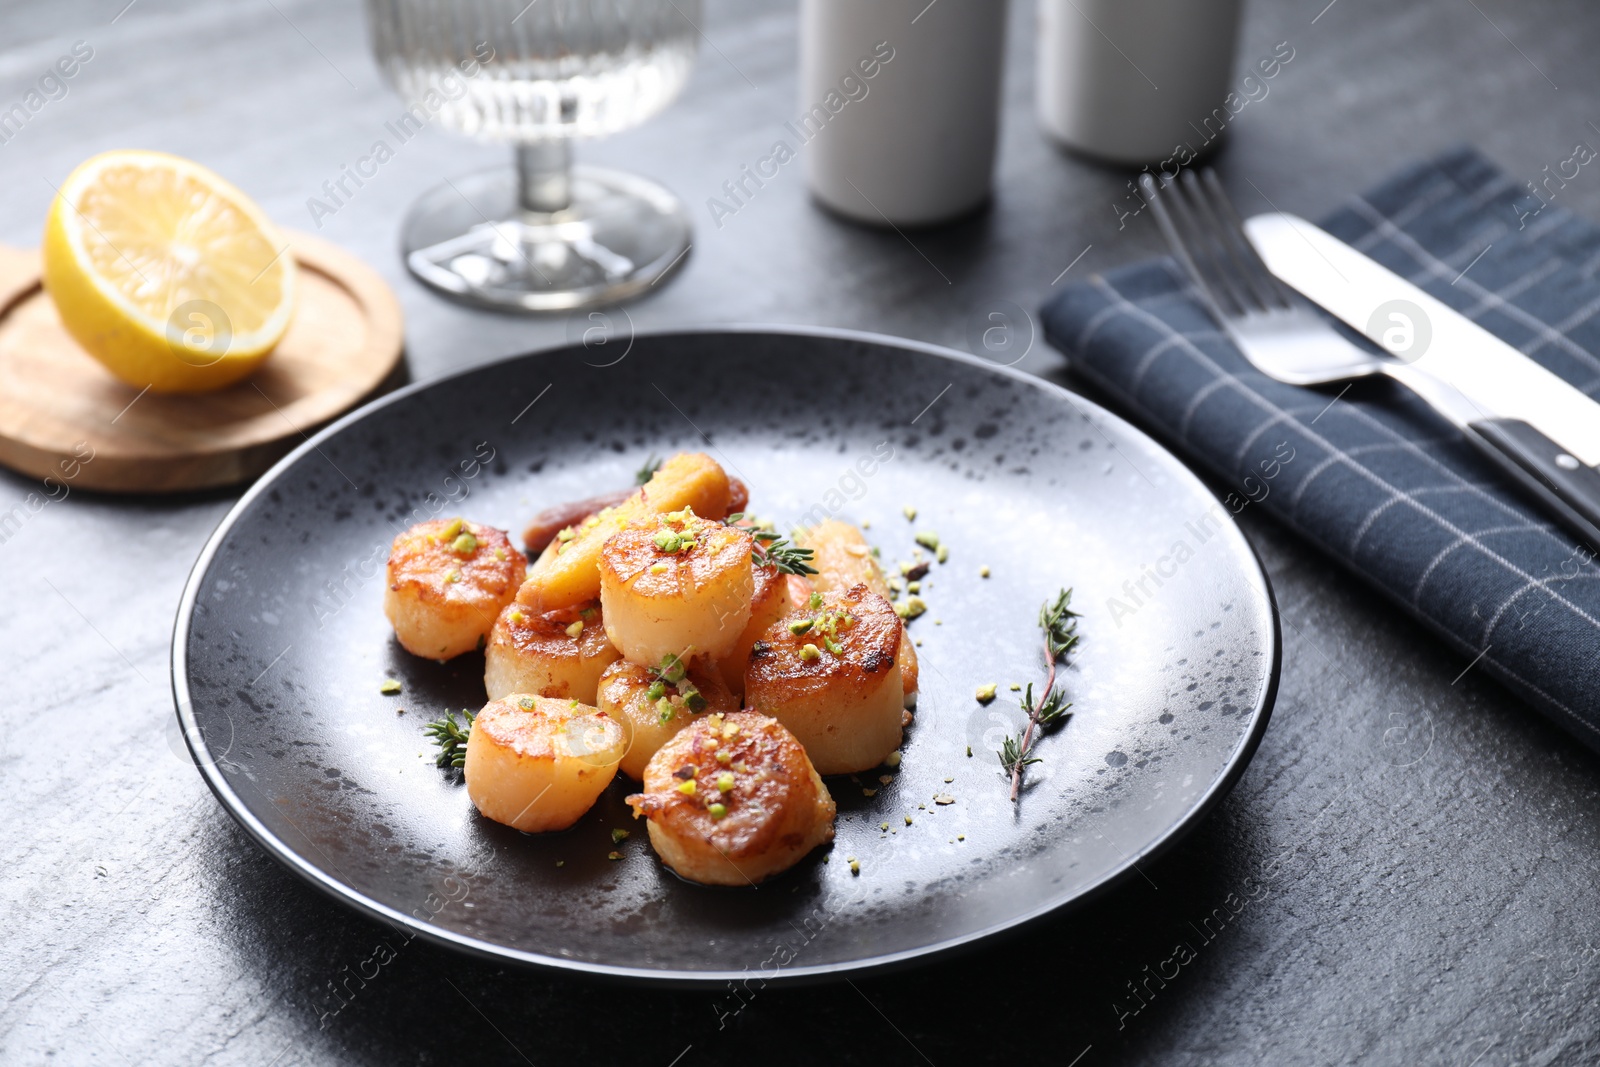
900	106
1130	81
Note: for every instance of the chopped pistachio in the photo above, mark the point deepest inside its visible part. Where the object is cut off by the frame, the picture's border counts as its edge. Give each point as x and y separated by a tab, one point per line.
913	587
883	826
724	756
576	628
833	646
465	544
949	780
815	602
561	863
686	787
961	837
500	554
943	555
389	686
866	524
730	731
855	865
452	575
928	540
613	855
892	759
450	530
515	617
983	572
969	751
908	820
985	692
1016	688
657	690
618	836
911	608
868	792
943	798
800	626
810	653
885	779
669	540
566	535
724	782
909	512
717	811
664	710
658	567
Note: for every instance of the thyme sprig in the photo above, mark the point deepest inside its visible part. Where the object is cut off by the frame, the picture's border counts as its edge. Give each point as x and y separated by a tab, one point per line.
772	549
648	471
1060	626
451	737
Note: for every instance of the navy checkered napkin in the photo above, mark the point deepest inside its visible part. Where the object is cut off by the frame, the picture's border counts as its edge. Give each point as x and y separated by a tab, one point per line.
1377	480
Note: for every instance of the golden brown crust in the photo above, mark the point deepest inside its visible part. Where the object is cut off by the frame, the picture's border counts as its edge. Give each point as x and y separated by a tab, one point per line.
547	635
633	557
775	796
842	558
780	668
422	561
543	527
536	727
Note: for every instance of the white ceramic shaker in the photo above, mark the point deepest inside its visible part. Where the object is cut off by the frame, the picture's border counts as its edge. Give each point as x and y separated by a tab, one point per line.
1129	81
900	106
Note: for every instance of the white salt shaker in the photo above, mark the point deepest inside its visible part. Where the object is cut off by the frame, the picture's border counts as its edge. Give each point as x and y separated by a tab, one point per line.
900	106
1132	81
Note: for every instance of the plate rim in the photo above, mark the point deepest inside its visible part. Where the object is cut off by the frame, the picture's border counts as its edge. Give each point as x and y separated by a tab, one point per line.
278	849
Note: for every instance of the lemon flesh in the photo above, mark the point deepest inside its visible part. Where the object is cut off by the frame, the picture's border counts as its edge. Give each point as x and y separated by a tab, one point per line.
165	273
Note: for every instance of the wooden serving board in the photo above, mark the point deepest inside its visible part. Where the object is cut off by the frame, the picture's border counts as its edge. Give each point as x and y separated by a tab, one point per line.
57	402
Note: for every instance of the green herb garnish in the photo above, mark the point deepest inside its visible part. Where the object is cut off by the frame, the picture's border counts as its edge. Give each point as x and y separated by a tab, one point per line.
648	471
1060	625
451	737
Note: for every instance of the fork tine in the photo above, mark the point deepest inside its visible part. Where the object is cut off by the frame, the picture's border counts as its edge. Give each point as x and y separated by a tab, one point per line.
1272	291
1225	256
1213	287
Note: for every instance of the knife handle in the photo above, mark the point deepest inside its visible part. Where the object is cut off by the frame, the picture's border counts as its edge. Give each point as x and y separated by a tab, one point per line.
1563	483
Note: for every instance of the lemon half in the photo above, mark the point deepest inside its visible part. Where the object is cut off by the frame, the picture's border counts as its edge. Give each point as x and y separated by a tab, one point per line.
166	273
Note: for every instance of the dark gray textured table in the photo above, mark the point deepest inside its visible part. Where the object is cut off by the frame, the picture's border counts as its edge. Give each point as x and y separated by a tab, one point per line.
1426	845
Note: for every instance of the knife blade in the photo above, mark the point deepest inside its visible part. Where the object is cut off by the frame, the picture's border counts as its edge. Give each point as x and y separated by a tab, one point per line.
1540	431
1496	378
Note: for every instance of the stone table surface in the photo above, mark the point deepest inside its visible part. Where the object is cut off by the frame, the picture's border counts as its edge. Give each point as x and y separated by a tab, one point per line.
1428	844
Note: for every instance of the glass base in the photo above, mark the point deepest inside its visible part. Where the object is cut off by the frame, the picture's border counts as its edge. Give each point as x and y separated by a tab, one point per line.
619	235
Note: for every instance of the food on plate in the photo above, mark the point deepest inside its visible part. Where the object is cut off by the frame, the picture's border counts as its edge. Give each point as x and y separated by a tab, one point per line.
676	584
447	580
653	703
733	799
538	763
568	571
545	526
843	559
829	673
164	272
558	654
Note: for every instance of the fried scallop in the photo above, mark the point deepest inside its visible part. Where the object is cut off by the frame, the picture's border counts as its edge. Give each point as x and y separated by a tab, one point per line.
733	800
446	581
676	584
651	708
558	654
537	763
829	673
842	558
774	595
568	571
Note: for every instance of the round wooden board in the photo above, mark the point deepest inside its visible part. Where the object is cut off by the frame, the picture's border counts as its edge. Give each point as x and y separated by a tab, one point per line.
57	403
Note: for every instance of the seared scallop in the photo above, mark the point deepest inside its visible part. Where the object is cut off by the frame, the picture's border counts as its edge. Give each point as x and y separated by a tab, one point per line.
829	673
537	763
568	571
843	559
733	799
557	654
653	703
676	584
447	580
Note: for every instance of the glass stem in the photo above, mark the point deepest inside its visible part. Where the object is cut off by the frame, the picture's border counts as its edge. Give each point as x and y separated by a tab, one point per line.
544	175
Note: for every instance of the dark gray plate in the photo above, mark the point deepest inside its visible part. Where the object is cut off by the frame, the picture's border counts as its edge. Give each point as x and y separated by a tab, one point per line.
281	645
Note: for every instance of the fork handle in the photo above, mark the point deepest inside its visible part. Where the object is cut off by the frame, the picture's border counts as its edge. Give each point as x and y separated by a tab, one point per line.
1565	485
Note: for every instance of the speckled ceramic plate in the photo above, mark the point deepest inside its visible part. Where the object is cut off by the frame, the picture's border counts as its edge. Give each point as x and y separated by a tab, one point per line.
281	646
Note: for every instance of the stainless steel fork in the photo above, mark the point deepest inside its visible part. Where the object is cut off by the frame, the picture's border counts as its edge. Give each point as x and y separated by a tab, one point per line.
1283	337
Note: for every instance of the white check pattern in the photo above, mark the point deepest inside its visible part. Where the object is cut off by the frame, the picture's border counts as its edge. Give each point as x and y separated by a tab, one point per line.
1378	481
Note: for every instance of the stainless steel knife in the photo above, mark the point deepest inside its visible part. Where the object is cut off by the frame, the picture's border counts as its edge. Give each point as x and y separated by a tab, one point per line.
1539	429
